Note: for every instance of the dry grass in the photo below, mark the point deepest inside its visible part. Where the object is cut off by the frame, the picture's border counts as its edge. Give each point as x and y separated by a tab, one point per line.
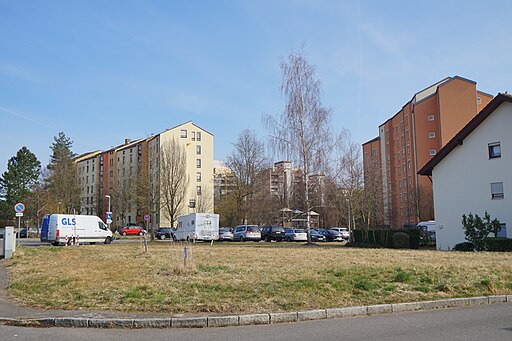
249	277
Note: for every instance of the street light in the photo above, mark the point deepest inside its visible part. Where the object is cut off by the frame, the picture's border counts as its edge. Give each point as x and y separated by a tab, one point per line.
108	197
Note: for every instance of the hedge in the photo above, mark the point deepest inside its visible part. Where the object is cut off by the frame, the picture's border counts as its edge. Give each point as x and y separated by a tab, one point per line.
385	237
498	244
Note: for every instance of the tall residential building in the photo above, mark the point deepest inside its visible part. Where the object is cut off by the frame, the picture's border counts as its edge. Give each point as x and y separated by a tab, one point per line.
87	170
410	138
284	183
223	180
198	146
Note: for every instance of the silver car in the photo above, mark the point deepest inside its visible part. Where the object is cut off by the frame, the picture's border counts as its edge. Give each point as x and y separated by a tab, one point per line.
295	235
225	234
247	232
345	234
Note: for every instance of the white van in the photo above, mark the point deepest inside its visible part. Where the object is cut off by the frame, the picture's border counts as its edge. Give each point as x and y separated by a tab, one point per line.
428	226
59	228
197	226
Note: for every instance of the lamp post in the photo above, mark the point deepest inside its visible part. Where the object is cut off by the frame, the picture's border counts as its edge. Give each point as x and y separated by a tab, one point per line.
109	220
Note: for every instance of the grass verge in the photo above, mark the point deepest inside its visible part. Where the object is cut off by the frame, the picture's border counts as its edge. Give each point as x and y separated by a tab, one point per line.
246	278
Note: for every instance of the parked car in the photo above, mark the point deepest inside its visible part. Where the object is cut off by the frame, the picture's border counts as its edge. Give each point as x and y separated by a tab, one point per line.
164	232
317	236
132	231
27	232
225	234
295	235
269	233
247	232
332	235
343	230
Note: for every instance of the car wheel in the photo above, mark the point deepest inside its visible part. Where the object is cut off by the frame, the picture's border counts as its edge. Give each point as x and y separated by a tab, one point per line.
55	243
108	240
162	236
242	239
124	234
140	233
267	239
92	243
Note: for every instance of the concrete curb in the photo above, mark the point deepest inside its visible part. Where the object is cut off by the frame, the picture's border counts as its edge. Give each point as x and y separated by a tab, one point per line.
251	319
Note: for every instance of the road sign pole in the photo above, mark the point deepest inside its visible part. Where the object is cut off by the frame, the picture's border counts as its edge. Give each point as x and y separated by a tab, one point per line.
19	231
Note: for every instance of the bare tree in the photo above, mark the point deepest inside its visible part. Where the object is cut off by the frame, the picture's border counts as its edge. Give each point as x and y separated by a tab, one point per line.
147	196
302	132
173	179
204	200
246	161
123	198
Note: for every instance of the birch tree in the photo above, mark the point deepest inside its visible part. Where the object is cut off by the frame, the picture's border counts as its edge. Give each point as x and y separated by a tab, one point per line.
302	132
173	179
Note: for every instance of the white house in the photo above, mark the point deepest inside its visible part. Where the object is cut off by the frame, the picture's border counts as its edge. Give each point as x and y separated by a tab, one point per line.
472	173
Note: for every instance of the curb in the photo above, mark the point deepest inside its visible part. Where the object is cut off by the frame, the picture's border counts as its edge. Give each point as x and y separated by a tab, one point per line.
251	319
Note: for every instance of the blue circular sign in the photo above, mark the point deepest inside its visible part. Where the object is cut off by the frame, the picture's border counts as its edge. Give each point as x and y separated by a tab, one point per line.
19	207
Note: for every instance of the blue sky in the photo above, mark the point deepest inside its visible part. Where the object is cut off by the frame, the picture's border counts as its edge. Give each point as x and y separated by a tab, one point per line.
102	71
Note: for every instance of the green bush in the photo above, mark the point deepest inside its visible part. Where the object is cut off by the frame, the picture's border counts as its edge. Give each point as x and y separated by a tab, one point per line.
498	244
466	246
400	240
384	238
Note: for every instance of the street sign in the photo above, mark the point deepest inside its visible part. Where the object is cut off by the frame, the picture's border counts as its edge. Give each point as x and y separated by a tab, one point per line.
19	207
19	214
147	217
109	215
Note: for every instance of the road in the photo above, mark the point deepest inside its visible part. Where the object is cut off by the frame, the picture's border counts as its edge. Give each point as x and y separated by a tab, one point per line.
485	322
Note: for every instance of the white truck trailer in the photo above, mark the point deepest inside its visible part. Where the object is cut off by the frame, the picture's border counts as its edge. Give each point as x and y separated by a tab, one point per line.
198	227
64	228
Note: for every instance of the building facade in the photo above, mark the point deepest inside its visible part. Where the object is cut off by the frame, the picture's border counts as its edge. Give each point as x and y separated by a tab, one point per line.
471	174
87	171
410	138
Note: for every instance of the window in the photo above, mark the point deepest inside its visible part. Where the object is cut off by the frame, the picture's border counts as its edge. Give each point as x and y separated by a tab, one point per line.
193	136
494	150
198	163
192	203
430	117
198	150
433	152
502	232
198	136
198	176
478	100
497	190
431	134
198	190
183	133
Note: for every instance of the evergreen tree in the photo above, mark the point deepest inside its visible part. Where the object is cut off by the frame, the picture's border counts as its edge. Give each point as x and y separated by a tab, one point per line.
22	175
61	180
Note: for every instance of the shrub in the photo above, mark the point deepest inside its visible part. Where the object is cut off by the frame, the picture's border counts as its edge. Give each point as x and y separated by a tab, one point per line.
477	229
466	246
400	240
498	244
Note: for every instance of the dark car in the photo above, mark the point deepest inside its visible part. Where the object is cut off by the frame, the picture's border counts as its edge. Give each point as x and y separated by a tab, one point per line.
317	236
164	233
332	235
269	233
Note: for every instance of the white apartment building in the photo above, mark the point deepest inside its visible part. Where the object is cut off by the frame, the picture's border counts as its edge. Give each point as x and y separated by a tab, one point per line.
87	168
472	174
198	146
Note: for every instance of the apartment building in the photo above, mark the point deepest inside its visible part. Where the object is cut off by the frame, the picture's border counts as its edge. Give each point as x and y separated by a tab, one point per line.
197	144
87	170
284	183
410	138
223	180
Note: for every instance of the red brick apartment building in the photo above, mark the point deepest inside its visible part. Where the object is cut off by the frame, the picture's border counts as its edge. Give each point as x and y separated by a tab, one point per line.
409	139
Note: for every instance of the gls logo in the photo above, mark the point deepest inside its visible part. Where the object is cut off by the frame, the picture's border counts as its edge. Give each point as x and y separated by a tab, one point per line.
68	221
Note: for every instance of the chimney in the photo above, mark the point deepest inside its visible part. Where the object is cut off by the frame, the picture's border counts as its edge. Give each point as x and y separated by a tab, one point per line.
126	141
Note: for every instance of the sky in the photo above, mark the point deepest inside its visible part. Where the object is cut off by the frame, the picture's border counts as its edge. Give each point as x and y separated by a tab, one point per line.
103	71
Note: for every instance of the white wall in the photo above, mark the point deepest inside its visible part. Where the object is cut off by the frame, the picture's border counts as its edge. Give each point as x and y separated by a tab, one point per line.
462	180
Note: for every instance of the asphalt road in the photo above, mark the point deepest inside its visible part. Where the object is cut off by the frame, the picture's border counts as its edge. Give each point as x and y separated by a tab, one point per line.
485	322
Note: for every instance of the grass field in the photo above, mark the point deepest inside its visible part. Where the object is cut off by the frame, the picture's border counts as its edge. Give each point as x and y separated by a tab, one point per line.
246	278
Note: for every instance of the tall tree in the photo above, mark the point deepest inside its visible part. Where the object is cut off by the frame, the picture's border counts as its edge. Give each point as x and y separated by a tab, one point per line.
247	161
147	196
302	132
173	179
61	179
21	176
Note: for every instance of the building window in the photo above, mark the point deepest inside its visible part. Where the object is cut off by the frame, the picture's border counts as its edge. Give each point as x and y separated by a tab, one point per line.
193	136
198	190
431	134
478	100
198	150
430	117
494	150
497	190
198	176
198	136
192	203
433	152
183	133
198	163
